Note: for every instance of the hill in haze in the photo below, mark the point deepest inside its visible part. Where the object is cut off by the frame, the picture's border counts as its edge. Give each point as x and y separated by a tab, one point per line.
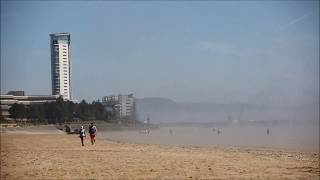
166	110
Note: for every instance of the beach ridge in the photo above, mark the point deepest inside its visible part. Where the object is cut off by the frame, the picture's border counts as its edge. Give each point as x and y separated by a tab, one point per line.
61	156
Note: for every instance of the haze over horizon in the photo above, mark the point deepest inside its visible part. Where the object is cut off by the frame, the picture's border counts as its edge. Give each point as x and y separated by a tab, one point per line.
214	52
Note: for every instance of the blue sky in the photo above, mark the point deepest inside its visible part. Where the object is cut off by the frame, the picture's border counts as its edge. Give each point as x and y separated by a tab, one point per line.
210	51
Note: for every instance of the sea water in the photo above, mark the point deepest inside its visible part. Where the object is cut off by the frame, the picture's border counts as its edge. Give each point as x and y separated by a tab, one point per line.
295	137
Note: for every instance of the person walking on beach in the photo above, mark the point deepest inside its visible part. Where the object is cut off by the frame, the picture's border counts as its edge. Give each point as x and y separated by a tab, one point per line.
93	133
170	132
82	134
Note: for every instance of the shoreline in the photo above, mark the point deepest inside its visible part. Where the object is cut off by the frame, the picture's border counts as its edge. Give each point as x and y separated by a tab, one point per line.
225	147
61	156
52	129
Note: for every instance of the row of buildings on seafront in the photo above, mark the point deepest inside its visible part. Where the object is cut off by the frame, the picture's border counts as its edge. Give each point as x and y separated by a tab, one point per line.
122	105
60	77
60	52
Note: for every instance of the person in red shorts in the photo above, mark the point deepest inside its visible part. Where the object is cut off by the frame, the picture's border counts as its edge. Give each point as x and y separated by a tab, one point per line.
93	133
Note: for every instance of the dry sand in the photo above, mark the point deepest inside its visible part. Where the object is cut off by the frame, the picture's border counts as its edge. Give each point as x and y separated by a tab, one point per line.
59	156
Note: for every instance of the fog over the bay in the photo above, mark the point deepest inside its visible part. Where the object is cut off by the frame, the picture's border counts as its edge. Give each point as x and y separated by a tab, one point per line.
203	73
208	61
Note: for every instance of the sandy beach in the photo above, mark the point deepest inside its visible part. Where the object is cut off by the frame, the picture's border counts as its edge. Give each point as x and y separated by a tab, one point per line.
55	155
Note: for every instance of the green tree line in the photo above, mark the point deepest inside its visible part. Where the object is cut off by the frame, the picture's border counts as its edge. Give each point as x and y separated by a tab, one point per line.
61	111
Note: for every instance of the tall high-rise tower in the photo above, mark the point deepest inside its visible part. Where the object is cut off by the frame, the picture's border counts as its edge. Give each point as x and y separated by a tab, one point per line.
60	65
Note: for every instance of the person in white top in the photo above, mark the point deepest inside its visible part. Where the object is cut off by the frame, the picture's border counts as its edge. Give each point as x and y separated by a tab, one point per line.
82	134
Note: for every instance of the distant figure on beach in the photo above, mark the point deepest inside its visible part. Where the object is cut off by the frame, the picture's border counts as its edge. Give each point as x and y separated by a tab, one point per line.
170	132
268	131
93	133
146	127
145	131
218	131
82	134
68	128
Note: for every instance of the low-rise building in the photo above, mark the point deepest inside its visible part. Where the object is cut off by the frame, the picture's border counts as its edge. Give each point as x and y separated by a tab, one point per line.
7	100
122	104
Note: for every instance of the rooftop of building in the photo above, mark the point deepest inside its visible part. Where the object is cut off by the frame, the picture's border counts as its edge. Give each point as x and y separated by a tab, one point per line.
20	95
60	34
28	97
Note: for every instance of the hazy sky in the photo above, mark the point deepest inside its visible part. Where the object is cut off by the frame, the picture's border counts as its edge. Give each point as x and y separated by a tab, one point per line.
254	51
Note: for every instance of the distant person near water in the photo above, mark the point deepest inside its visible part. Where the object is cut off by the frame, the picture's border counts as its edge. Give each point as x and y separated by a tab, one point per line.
268	131
219	131
82	134
171	132
93	133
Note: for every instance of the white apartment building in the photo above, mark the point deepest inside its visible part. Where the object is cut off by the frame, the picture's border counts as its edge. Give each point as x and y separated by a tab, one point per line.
60	65
123	104
126	105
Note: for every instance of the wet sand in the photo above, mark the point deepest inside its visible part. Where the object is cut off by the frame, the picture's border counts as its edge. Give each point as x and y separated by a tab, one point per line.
47	155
